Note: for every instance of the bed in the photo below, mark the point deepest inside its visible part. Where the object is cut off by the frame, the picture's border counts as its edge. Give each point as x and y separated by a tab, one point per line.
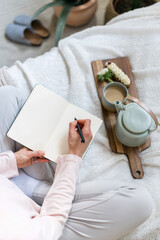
67	71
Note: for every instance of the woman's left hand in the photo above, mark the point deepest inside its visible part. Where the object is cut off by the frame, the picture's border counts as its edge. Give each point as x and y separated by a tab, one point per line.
26	157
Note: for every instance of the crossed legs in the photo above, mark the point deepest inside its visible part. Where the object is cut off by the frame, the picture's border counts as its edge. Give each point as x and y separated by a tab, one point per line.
106	210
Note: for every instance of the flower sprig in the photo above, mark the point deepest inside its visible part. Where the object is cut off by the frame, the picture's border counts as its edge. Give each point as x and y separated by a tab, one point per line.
107	76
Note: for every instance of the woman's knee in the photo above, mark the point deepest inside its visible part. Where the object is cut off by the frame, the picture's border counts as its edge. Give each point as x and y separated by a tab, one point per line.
131	206
143	203
10	94
138	204
11	102
10	99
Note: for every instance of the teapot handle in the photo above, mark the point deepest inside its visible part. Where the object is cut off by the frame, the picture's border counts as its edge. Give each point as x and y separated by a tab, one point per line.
147	109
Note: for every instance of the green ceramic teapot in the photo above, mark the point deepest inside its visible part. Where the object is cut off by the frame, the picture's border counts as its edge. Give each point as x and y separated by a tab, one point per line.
135	122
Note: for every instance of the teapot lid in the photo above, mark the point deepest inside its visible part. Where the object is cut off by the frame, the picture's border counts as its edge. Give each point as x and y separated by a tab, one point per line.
136	119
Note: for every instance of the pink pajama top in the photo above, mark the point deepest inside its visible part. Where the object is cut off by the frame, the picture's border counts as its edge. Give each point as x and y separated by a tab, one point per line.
20	217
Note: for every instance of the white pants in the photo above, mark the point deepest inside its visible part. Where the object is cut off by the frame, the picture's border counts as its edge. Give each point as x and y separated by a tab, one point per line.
101	210
98	216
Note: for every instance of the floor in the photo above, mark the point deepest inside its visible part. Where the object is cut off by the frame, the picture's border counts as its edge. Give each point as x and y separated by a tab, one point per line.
10	52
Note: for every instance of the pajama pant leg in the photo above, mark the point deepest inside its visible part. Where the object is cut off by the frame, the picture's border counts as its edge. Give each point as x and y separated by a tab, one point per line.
104	210
10	104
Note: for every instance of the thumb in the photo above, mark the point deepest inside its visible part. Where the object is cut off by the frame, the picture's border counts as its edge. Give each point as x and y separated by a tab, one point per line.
37	153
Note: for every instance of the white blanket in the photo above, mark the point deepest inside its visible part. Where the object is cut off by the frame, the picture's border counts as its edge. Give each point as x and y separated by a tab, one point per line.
67	71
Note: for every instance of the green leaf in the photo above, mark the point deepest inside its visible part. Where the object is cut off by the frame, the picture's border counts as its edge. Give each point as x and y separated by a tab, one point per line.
48	5
61	22
106	77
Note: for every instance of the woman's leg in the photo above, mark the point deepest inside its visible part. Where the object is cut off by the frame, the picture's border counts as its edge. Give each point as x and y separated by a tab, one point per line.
106	211
10	105
26	183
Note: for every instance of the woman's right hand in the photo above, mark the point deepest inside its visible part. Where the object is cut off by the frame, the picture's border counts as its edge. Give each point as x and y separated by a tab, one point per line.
74	139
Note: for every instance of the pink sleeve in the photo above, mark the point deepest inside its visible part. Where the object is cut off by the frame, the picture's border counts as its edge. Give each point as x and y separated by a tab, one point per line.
8	164
59	199
30	221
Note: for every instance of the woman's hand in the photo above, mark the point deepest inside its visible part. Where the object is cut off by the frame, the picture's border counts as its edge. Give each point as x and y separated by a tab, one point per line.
74	139
26	157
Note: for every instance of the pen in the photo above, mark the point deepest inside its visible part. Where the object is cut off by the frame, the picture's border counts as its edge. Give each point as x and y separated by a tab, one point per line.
80	132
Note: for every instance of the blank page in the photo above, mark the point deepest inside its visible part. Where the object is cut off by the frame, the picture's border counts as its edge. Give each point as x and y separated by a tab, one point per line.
58	143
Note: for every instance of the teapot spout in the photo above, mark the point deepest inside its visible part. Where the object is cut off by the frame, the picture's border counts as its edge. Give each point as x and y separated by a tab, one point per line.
119	106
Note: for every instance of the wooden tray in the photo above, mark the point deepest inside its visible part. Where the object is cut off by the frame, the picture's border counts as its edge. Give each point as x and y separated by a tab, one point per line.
110	117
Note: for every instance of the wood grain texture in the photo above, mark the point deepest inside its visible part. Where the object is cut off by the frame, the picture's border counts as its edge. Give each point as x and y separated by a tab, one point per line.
110	117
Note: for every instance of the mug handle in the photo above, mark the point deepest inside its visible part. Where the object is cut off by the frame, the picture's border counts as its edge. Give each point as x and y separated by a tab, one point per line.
147	109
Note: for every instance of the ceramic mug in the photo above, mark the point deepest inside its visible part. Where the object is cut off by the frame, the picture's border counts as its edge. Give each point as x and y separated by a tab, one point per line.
112	92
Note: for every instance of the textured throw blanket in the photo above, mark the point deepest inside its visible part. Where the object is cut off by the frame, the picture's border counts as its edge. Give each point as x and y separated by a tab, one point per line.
67	71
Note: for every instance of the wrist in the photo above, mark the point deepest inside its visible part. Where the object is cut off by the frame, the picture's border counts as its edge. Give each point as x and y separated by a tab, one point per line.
16	154
75	153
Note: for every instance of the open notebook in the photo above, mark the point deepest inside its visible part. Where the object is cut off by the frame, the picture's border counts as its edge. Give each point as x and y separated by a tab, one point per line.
43	122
